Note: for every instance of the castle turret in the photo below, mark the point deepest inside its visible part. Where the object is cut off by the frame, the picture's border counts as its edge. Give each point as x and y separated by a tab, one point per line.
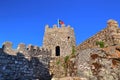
59	40
114	31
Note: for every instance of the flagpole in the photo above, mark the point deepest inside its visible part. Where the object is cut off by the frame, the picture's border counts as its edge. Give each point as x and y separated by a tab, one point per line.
58	23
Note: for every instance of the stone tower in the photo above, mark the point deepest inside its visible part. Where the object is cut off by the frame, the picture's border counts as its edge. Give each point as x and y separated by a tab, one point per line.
59	40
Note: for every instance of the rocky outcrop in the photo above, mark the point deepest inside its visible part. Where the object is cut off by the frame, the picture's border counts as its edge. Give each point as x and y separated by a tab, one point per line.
99	63
69	78
62	67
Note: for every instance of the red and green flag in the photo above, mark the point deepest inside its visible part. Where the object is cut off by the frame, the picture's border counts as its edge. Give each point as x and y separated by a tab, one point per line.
61	22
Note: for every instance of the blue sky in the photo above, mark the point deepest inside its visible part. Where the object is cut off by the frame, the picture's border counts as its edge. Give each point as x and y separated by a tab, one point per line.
24	20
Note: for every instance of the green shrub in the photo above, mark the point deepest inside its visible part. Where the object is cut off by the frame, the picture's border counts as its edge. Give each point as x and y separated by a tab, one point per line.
58	62
73	50
66	59
100	43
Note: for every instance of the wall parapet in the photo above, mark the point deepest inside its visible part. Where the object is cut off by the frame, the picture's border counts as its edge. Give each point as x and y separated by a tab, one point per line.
62	28
29	50
109	36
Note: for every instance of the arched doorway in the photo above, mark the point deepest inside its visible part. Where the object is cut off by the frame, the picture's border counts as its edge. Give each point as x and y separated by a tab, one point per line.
57	50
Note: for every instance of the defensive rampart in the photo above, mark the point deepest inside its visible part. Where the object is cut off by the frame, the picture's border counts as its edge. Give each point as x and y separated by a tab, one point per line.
110	36
31	63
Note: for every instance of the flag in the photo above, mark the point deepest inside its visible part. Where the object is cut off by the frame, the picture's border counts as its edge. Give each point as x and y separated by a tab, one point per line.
61	22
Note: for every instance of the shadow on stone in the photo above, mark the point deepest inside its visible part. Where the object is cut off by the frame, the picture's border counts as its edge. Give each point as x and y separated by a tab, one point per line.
17	67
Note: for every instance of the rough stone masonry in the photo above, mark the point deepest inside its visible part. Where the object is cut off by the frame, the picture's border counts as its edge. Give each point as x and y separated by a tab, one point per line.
32	62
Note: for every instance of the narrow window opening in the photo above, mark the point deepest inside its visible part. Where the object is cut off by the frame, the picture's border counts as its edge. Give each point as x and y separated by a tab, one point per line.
57	51
68	37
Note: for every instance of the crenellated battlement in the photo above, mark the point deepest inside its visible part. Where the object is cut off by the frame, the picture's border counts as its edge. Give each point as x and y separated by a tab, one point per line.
31	62
112	23
63	28
30	50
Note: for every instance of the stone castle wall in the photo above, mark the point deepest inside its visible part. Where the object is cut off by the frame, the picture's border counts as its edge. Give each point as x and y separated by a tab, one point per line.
59	36
29	63
110	36
7	47
32	62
